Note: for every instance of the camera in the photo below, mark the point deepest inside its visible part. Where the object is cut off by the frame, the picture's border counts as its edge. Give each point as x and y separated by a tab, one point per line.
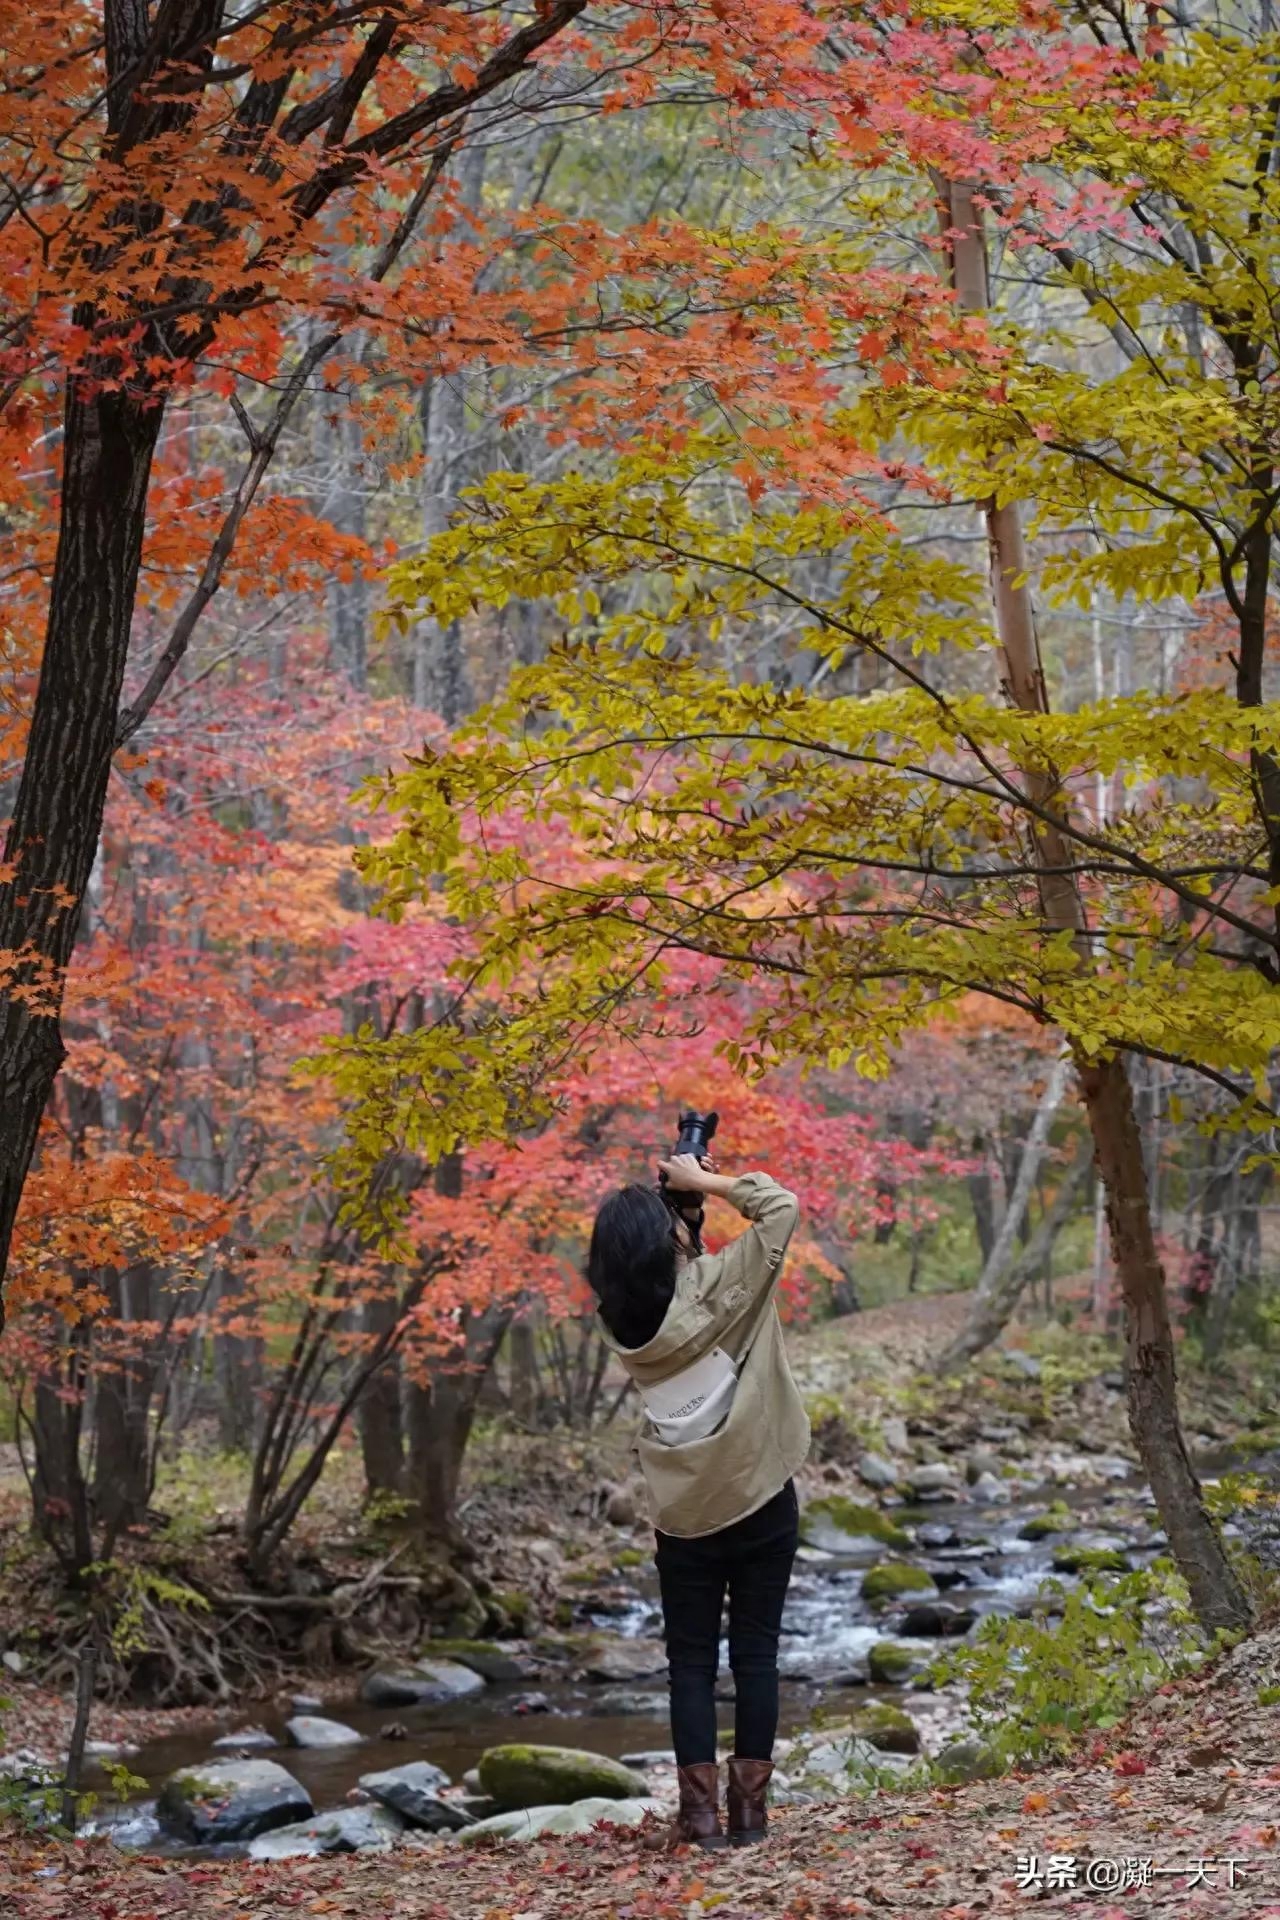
694	1135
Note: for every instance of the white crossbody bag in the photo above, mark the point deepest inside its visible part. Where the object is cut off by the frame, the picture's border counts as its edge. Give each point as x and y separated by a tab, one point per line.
693	1402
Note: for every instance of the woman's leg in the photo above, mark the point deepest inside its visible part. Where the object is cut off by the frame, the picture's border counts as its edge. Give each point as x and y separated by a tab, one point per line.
691	1574
759	1573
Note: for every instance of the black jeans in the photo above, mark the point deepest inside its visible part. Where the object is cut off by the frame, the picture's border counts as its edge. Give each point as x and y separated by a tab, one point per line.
752	1560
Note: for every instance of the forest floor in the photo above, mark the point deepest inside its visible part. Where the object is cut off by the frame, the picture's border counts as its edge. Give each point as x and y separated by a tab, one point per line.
1174	1813
1148	1820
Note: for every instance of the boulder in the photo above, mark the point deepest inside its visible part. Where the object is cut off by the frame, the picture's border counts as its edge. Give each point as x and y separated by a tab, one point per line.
1041	1525
1090	1560
426	1683
980	1462
891	1578
1025	1364
518	1776
891	1664
577	1817
875	1471
620	1508
309	1730
627	1700
485	1657
345	1830
618	1659
838	1760
992	1492
413	1791
247	1740
843	1526
886	1728
936	1476
962	1760
226	1800
936	1619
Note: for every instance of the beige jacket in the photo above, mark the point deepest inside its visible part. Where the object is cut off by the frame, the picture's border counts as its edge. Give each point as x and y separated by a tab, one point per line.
726	1300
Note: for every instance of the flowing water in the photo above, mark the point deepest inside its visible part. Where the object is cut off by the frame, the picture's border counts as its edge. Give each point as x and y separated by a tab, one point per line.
975	1555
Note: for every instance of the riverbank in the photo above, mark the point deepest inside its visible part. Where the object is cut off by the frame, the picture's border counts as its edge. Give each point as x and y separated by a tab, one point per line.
1189	1784
972	1491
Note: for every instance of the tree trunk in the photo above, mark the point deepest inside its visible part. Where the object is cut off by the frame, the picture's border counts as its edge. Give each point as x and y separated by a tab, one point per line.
1217	1595
125	1378
440	1414
108	444
983	1199
986	1318
381	1421
992	1313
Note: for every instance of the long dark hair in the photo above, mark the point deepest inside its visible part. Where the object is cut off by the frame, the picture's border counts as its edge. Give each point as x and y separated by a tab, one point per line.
631	1264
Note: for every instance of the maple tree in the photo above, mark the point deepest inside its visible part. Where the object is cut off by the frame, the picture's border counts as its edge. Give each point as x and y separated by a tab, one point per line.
872	857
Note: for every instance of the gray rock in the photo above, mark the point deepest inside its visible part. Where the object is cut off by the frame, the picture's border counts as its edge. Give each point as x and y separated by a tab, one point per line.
226	1800
935	1619
345	1830
620	1508
1024	1363
11	1660
980	1462
490	1661
247	1740
992	1492
651	1757
624	1701
306	1703
519	1776
618	1659
936	1533
425	1683
576	1817
937	1476
875	1471
308	1730
893	1431
413	1791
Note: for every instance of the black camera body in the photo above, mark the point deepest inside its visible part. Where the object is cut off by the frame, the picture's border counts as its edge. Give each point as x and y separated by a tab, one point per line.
694	1135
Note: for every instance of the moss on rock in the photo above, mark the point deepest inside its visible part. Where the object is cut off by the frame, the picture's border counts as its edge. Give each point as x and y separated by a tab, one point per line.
886	1727
893	1577
517	1775
1090	1560
835	1522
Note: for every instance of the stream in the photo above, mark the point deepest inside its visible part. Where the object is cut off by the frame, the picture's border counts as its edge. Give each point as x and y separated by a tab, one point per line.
973	1551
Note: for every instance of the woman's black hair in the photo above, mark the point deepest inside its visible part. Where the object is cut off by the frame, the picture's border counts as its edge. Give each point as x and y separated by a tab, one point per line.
631	1264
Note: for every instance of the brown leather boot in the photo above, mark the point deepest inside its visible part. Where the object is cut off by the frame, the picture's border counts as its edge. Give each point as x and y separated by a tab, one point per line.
748	1784
698	1818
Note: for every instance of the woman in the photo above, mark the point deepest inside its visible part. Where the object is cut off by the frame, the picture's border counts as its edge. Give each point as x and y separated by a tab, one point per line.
724	1432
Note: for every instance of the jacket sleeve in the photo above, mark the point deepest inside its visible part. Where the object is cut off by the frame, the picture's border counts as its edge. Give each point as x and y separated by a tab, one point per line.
745	1273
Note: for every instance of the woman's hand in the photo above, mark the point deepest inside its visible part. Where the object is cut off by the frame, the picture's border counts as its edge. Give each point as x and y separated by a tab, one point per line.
686	1174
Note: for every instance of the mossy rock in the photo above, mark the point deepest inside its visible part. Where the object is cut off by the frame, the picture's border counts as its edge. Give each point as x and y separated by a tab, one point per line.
529	1776
1041	1525
894	1577
886	1728
485	1657
631	1557
964	1760
837	1525
1090	1560
891	1663
517	1607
